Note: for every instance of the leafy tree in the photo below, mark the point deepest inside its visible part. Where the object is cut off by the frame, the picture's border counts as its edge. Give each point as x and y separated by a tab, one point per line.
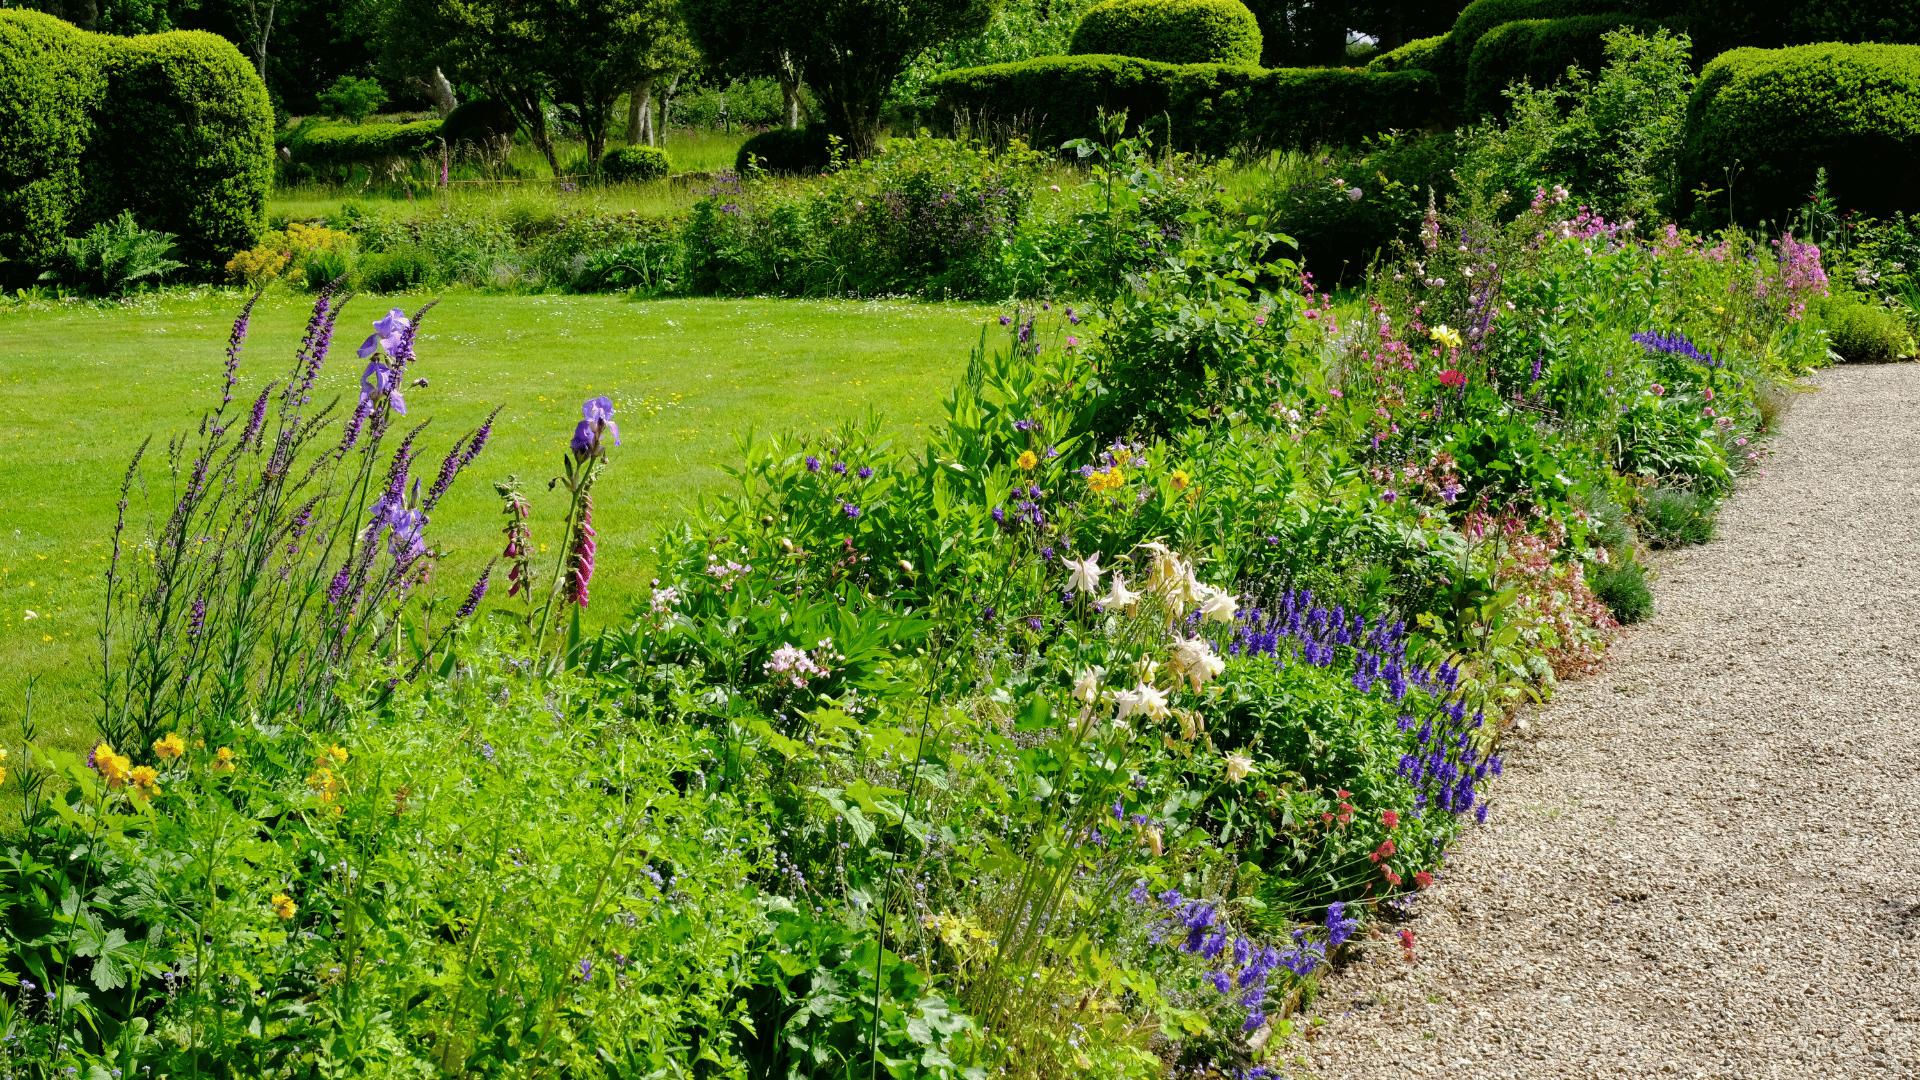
849	51
353	99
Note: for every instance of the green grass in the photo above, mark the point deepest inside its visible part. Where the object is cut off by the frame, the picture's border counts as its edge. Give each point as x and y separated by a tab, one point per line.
81	385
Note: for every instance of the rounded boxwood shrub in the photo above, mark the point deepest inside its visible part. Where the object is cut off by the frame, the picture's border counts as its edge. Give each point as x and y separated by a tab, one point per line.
185	141
1779	115
787	150
1171	31
51	84
1540	51
626	163
1864	333
1455	54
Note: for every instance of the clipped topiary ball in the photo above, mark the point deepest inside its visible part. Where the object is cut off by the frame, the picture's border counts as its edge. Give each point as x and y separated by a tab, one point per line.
1171	31
628	163
787	150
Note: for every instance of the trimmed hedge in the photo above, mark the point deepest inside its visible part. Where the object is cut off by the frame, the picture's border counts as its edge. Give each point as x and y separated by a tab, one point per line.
624	163
1170	31
1540	51
1417	55
174	127
478	120
51	84
185	141
322	144
1212	108
1779	115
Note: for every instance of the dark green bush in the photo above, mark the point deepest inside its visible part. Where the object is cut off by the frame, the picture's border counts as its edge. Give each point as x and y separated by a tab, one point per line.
1454	56
1622	586
394	271
50	85
1171	31
787	150
184	139
1864	333
1338	231
353	99
113	258
1213	108
325	145
1779	115
481	120
1540	51
1676	517
625	163
1417	55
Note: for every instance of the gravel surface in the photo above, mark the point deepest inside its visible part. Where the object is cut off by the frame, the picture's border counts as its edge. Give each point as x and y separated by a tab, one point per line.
1703	862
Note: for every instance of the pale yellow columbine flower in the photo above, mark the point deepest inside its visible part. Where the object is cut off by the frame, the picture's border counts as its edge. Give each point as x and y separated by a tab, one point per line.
1445	335
1118	595
1083	575
1238	766
1086	688
1218	605
169	746
1153	702
1195	661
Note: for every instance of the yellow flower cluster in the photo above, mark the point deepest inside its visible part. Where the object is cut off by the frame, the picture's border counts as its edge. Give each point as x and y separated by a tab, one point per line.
324	781
223	760
146	781
1111	480
285	252
169	746
284	906
3	768
115	768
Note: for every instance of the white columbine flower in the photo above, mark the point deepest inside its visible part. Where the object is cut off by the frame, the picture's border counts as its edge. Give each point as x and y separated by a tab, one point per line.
1125	703
1087	687
1195	660
1118	595
1153	702
1083	576
1219	605
1238	766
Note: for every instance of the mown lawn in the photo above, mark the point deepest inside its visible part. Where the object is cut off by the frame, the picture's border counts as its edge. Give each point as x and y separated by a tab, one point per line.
81	386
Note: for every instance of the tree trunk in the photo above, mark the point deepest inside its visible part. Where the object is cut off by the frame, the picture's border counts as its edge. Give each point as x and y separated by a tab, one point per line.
659	129
444	101
262	30
640	112
788	75
531	112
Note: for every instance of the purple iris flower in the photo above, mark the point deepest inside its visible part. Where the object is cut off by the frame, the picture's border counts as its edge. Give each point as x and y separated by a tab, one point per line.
386	334
596	420
379	380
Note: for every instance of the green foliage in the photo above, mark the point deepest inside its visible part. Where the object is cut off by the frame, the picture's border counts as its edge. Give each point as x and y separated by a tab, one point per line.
1171	31
1539	51
628	163
1019	30
1622	586
1720	25
1211	108
187	144
1454	57
477	120
174	127
1677	517
1416	55
1762	122
1865	333
352	99
51	83
399	270
1345	210
113	258
341	146
786	150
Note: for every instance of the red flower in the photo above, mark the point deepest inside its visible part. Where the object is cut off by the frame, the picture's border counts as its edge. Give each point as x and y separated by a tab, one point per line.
1344	794
1406	939
1393	877
1384	851
1423	879
1391	819
1326	818
1454	378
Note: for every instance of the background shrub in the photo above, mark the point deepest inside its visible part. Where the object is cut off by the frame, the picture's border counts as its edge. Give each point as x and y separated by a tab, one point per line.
1622	586
351	98
1171	31
394	271
50	85
1416	55
1676	517
1864	333
480	120
1454	57
787	150
1538	50
1341	213
184	139
1213	108
625	163
326	145
1780	115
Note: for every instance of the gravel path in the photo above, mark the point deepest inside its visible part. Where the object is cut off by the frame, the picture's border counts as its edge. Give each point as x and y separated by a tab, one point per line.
1706	860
